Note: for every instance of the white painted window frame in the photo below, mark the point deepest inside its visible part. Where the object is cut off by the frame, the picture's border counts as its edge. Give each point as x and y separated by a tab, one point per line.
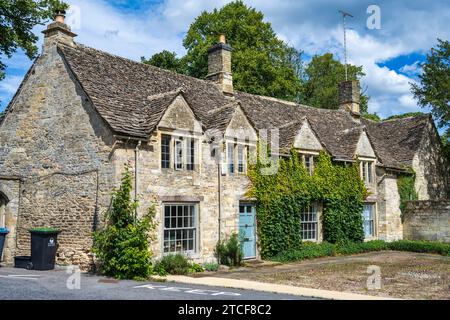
196	206
185	138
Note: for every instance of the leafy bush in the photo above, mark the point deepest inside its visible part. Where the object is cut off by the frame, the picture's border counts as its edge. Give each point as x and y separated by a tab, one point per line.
208	266
229	252
195	268
122	247
421	246
172	264
310	250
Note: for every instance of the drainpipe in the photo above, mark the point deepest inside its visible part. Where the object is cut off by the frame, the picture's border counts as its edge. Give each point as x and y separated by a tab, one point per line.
136	180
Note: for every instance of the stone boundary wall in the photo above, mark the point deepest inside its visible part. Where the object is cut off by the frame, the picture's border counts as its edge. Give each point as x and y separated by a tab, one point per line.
427	220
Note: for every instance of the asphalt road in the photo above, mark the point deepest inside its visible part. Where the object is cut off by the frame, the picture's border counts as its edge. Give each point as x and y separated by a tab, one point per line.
59	284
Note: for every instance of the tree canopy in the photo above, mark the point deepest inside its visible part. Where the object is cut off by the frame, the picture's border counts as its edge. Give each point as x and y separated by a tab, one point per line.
166	60
17	20
320	82
262	63
434	87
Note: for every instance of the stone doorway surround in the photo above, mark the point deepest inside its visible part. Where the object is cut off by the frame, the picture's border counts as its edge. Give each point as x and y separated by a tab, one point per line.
9	211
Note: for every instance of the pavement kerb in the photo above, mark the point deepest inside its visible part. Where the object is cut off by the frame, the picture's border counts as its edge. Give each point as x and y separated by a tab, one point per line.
274	288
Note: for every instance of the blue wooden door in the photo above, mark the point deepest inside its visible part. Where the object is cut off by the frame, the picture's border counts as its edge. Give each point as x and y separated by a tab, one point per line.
247	230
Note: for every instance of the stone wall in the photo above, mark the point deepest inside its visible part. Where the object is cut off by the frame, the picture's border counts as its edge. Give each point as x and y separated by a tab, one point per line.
427	220
389	222
201	186
431	168
54	141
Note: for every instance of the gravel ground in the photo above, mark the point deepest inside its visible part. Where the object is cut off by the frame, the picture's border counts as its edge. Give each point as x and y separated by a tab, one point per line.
403	274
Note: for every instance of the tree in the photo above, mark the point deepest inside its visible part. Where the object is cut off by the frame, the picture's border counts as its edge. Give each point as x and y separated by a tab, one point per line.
434	87
17	20
321	78
262	63
166	60
122	247
372	116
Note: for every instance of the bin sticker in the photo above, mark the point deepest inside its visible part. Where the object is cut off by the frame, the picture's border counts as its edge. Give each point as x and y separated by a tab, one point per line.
51	242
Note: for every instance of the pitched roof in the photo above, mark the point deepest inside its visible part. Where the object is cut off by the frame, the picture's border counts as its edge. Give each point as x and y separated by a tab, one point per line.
132	97
396	141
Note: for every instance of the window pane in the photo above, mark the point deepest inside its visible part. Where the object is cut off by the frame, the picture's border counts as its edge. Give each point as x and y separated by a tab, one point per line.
179	228
165	151
309	222
190	154
178	161
230	158
241	158
369	172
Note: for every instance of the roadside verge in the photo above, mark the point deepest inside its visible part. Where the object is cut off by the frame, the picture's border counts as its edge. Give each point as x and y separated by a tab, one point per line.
273	288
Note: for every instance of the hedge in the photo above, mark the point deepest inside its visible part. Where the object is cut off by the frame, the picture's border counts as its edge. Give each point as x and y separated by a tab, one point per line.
310	250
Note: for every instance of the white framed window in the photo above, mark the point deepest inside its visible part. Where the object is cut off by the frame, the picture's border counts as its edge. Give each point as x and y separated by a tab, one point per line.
179	153
309	224
180	227
237	155
308	161
367	171
369	220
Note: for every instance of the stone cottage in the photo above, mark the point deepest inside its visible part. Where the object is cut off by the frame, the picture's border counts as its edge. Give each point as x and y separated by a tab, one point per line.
80	114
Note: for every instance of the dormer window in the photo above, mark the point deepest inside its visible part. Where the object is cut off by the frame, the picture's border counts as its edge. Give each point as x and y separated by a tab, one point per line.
366	169
178	152
236	160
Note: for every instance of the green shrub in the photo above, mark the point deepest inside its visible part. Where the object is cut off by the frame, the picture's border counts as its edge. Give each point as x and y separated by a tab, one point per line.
229	252
208	266
309	250
172	264
195	268
421	246
122	247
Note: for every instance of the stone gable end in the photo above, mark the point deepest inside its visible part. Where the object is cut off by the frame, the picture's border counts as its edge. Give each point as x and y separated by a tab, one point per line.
240	128
179	116
307	139
364	147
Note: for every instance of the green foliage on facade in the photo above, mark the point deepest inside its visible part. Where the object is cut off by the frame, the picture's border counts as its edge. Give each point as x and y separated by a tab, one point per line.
122	246
281	197
406	189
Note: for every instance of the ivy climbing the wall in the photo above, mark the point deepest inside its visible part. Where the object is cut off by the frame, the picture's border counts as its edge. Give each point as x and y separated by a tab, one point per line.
406	189
281	197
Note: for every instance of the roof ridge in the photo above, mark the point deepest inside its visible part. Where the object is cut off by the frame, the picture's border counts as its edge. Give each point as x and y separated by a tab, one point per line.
287	102
425	115
212	111
164	94
137	62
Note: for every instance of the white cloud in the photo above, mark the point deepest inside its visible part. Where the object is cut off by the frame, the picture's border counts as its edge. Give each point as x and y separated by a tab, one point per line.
10	84
412	70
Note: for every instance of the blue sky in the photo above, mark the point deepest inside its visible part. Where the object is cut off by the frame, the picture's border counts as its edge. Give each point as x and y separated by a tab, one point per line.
390	56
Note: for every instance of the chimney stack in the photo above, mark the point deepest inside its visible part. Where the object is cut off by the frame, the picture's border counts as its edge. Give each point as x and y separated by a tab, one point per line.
349	97
219	66
58	32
